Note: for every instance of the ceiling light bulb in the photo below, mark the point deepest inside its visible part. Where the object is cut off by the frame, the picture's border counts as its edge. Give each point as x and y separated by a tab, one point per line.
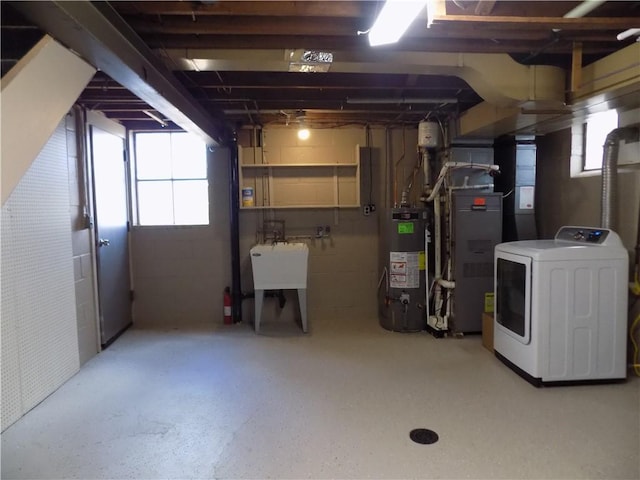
394	19
303	134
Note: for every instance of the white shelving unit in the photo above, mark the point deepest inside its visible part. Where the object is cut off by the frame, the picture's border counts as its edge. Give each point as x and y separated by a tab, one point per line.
268	174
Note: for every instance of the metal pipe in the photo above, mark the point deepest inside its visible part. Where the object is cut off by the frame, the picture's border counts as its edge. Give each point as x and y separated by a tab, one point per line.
399	101
426	172
234	213
437	264
609	188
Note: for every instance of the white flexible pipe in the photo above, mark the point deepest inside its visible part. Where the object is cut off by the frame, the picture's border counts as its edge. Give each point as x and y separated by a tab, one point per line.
437	253
445	168
628	33
584	8
450	284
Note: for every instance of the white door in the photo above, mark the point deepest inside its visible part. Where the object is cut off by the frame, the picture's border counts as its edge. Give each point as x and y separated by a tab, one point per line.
112	239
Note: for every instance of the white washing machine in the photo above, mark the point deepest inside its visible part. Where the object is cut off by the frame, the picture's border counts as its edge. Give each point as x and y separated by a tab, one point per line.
561	306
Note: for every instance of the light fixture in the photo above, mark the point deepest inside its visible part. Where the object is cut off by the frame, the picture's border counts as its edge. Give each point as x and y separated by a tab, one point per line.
394	19
303	133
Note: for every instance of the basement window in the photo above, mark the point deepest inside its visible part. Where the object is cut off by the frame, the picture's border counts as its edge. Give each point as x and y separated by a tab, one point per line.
171	184
596	129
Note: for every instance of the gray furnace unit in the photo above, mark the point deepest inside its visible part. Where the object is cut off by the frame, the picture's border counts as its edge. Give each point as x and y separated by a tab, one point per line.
477	229
402	296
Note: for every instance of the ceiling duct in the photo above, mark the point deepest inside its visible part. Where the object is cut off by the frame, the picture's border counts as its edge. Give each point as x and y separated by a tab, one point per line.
309	61
496	77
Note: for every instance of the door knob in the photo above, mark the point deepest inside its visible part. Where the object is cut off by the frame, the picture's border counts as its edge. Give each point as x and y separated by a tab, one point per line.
104	242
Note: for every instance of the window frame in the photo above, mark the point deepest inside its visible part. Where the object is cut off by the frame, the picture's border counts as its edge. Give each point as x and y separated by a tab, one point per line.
590	121
135	199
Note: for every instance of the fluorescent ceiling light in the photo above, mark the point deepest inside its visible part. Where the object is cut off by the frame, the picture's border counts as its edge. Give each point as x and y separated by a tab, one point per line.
394	19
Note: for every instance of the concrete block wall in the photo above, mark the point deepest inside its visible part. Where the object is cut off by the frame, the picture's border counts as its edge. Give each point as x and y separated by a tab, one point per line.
81	240
342	265
179	272
565	200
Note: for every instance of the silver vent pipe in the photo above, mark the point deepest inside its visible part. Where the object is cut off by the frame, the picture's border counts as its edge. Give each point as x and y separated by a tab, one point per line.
609	190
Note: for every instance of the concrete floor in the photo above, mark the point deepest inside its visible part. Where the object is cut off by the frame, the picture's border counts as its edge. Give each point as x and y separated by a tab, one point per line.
336	403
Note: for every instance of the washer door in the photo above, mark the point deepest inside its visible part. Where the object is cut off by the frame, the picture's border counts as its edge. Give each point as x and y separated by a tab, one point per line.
513	296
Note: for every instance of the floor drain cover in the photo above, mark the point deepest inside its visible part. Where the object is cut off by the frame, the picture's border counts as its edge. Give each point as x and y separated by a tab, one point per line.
423	436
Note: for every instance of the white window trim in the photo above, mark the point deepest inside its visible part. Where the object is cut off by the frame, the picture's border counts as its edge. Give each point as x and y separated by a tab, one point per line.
135	215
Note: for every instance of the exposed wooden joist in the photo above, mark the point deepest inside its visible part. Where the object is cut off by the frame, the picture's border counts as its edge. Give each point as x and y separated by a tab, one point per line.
250	26
346	29
576	67
97	33
260	8
360	43
584	23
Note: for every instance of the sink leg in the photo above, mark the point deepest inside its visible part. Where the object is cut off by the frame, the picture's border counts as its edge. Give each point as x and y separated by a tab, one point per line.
302	300
259	297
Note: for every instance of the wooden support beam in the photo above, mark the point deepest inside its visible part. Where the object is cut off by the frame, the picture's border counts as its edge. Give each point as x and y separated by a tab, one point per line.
576	67
250	8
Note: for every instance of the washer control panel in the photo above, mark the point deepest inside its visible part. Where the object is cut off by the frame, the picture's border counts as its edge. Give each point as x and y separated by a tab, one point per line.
583	235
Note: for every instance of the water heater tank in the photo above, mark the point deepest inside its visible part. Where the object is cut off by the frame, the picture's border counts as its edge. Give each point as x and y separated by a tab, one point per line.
428	134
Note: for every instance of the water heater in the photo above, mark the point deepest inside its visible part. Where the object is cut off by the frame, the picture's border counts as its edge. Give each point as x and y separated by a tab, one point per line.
402	295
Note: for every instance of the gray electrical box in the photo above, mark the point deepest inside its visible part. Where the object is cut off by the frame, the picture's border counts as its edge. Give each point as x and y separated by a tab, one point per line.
402	296
477	229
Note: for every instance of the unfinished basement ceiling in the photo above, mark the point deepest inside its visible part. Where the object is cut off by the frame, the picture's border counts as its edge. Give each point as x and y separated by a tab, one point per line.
233	57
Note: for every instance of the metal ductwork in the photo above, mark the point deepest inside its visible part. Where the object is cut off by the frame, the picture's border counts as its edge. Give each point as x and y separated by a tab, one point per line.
609	190
496	77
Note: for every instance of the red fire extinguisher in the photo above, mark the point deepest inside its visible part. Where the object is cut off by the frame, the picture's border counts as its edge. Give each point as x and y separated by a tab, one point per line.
227	306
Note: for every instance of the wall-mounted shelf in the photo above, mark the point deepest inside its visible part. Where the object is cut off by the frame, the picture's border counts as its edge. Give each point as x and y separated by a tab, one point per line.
303	185
298	165
293	207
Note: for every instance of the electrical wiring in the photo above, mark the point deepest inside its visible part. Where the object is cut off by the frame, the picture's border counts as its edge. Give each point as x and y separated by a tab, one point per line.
508	193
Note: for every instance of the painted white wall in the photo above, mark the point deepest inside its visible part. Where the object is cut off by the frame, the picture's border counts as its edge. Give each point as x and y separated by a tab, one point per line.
36	94
39	330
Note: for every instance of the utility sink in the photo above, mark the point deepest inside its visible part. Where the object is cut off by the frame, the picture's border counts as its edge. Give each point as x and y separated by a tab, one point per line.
279	266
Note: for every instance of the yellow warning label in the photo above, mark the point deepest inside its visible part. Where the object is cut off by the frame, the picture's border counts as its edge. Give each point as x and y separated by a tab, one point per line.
422	261
488	302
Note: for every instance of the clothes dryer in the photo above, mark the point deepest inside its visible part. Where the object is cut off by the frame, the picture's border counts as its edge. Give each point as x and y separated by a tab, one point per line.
561	306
